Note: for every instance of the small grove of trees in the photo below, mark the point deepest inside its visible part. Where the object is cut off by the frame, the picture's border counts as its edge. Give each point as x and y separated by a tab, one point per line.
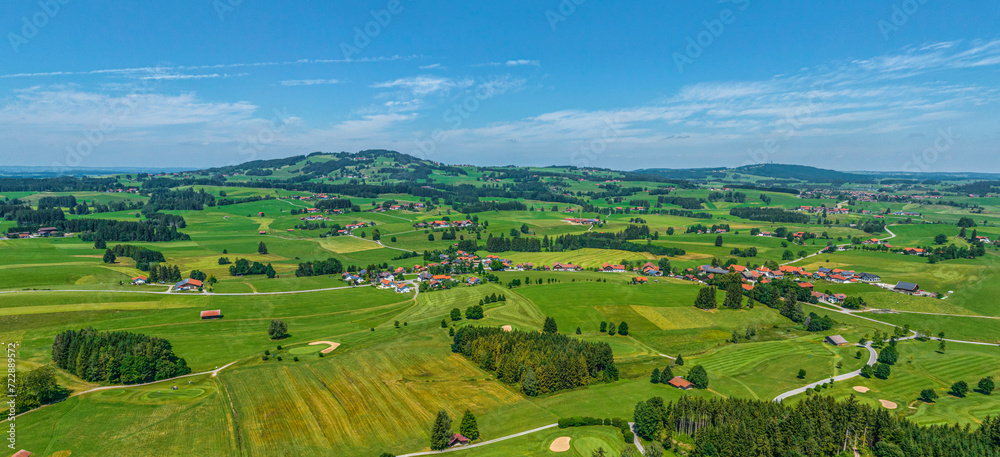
244	267
116	357
277	329
329	266
706	298
36	388
539	362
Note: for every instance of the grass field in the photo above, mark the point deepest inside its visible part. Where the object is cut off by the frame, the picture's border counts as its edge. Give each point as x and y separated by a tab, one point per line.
380	390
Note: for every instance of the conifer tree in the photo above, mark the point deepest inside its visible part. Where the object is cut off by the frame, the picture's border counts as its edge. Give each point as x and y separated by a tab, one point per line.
441	431
469	427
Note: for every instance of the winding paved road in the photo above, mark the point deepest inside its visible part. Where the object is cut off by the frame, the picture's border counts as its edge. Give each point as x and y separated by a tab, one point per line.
872	357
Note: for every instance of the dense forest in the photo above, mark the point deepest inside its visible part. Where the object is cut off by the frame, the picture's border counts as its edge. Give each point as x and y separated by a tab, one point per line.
769	215
540	362
116	357
817	426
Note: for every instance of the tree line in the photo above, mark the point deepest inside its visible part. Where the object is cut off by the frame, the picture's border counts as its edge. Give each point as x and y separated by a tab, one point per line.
769	215
116	357
816	426
329	266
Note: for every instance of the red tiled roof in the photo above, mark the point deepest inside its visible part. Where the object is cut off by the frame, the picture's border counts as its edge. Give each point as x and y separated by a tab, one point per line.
211	313
680	382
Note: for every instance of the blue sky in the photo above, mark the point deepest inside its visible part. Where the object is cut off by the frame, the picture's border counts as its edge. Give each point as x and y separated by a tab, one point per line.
898	86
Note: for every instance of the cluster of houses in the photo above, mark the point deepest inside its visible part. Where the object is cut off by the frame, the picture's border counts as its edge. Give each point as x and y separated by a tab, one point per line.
581	221
443	224
382	209
44	232
764	275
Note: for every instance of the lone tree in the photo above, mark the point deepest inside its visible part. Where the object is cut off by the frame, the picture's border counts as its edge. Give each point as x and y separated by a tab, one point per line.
655	377
469	427
262	248
441	432
734	296
623	329
802	374
680	361
941	239
928	396
666	375
699	377
456	314
959	389
986	385
882	370
718	240
550	325
277	330
888	355
109	257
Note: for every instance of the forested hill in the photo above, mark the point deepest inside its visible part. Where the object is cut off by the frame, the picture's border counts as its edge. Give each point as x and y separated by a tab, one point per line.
770	170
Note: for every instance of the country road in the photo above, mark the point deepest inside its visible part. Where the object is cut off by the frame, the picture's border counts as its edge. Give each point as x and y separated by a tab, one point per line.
892	235
872	357
484	443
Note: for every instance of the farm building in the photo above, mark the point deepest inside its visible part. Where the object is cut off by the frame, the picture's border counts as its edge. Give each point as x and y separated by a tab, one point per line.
458	440
22	453
188	284
47	231
906	287
681	383
211	314
139	280
836	340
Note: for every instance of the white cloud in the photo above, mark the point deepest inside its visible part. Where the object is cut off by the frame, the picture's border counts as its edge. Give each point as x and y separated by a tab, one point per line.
424	85
308	82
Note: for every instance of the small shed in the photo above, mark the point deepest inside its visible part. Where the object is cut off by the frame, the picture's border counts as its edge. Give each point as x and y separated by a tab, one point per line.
211	314
907	287
22	453
458	440
836	340
681	383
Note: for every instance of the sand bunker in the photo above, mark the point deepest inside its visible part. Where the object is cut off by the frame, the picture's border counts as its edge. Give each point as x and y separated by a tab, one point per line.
560	444
327	350
888	404
507	328
861	389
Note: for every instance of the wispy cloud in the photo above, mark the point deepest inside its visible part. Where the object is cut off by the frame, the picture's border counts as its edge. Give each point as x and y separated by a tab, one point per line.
424	85
511	63
308	82
431	66
169	68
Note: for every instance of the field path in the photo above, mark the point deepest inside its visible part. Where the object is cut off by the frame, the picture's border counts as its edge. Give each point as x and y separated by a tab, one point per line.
484	443
892	235
96	389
